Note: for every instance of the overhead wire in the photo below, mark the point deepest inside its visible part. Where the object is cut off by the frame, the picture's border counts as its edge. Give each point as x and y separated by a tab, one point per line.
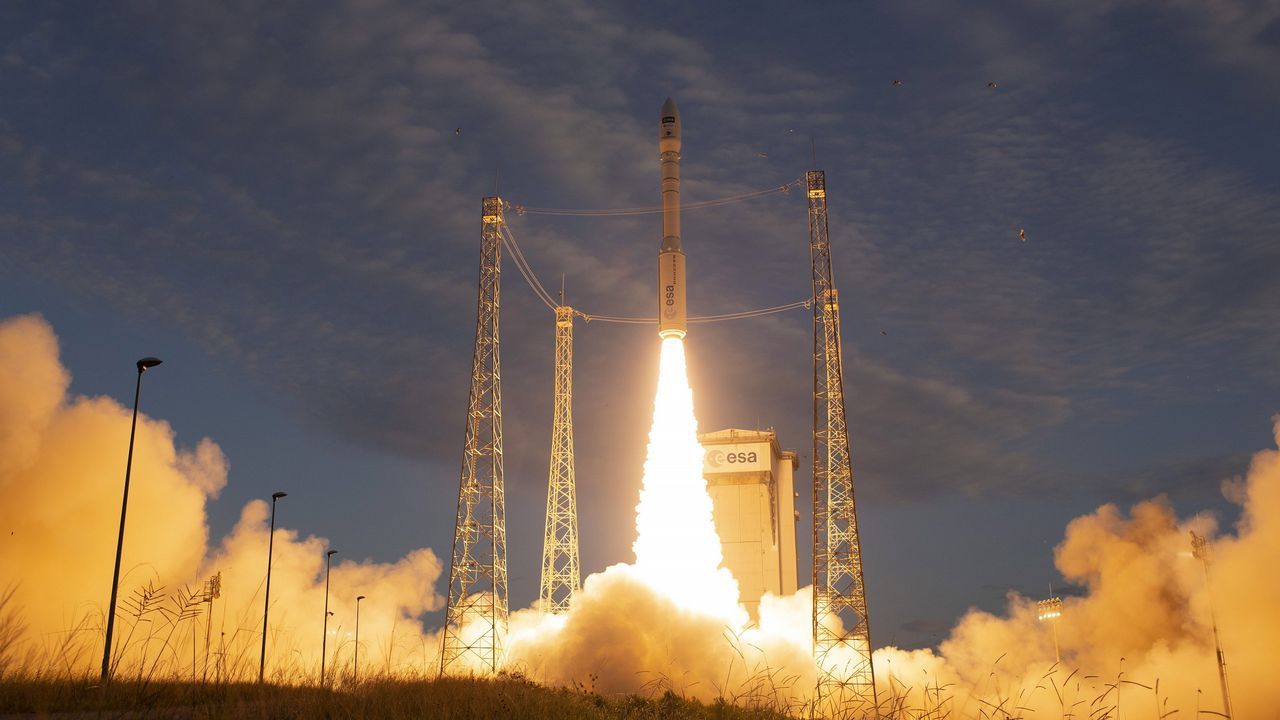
760	312
531	278
522	264
653	210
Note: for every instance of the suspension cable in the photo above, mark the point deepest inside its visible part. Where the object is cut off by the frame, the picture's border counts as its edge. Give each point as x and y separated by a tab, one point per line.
525	269
806	303
530	277
613	212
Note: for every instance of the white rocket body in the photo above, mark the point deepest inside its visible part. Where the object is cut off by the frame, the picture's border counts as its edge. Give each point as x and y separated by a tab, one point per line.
673	318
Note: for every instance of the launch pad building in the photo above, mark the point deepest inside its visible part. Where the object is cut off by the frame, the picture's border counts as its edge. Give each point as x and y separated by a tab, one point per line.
750	480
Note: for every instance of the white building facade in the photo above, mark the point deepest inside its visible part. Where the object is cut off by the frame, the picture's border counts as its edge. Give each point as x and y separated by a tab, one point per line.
751	482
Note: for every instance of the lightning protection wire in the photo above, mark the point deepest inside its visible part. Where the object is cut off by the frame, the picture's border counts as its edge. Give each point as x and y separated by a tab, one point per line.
509	239
614	212
526	271
807	303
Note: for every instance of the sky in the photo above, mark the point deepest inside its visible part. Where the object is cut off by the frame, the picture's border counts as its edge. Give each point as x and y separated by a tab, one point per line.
283	202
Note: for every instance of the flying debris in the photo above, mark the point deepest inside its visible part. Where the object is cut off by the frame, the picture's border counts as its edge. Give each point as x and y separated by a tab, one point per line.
762	154
993	84
897	83
882	332
1022	234
457	131
672	317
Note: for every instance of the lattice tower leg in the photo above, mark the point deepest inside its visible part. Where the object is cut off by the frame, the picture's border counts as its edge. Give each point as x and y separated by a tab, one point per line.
561	576
476	614
841	630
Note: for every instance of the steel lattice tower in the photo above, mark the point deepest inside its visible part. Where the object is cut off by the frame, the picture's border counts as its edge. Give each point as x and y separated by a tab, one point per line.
561	576
476	615
841	630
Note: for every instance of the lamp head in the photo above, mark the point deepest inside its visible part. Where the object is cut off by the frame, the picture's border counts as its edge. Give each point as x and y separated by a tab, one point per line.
359	598
148	362
277	495
331	553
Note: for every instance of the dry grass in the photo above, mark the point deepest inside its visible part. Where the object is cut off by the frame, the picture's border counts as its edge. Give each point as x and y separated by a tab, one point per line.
161	632
446	698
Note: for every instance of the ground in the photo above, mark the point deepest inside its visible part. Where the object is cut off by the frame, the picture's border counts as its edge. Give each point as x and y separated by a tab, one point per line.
446	699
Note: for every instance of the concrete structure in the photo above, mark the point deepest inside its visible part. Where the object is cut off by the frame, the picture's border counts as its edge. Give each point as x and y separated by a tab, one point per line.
750	479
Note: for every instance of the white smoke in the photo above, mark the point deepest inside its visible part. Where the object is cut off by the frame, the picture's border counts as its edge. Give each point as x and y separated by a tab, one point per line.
1140	633
61	476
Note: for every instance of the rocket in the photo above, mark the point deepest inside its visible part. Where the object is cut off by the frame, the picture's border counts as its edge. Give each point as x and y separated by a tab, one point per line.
673	320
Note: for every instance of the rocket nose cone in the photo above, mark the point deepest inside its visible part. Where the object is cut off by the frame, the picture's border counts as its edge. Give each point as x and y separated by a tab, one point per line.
669	109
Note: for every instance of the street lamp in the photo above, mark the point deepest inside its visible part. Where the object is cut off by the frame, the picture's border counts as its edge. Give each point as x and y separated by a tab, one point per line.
1200	549
355	665
266	603
1050	610
324	641
143	365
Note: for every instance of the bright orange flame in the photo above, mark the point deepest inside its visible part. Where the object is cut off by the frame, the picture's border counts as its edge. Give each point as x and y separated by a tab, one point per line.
677	548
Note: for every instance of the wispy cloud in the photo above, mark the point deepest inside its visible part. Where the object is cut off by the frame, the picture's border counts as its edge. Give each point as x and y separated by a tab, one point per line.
301	189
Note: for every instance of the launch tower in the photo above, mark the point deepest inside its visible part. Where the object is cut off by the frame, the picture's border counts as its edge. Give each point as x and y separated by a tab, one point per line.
561	576
476	614
841	630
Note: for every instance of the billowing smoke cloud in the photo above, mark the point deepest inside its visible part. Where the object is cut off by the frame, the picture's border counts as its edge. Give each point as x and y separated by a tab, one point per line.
1144	619
623	635
1140	635
672	620
61	474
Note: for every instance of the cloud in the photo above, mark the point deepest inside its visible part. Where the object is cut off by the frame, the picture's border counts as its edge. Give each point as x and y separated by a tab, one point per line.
300	209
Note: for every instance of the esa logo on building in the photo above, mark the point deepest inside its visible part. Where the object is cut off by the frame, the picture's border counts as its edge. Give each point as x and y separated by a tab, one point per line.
720	458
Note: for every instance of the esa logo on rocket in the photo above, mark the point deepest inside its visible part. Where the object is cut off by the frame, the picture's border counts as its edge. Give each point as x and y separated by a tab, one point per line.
672	316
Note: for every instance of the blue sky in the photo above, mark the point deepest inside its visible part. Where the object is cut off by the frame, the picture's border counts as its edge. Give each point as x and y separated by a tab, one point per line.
273	198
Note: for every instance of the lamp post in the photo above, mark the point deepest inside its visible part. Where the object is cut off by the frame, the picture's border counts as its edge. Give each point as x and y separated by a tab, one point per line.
143	365
1200	549
212	591
1050	610
355	665
324	641
266	603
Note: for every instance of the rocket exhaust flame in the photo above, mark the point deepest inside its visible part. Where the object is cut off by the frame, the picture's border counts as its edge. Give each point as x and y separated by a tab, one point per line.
677	548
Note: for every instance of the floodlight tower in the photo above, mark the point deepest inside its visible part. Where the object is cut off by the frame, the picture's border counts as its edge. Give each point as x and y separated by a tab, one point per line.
1050	610
561	576
841	629
1200	549
476	614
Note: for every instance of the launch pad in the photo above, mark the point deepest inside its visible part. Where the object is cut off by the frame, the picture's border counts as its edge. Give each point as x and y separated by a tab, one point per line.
477	608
